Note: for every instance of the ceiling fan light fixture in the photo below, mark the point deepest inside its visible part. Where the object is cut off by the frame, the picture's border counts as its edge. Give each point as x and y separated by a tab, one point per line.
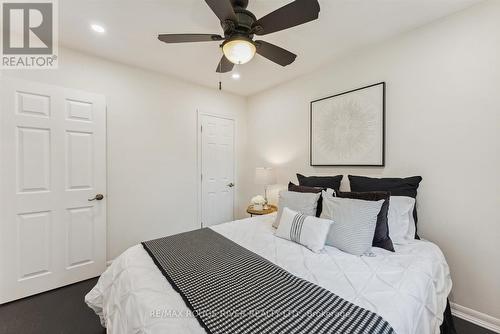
239	51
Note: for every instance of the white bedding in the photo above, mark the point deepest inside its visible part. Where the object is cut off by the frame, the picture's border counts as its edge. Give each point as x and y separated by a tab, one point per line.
407	288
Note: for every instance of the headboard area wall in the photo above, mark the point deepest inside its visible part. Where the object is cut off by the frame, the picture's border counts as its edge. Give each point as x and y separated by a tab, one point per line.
442	122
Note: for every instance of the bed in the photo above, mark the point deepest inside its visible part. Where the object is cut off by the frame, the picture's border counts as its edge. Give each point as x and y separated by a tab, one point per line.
408	288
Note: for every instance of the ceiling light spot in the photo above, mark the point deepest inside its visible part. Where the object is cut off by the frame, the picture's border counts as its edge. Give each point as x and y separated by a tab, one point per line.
235	76
98	28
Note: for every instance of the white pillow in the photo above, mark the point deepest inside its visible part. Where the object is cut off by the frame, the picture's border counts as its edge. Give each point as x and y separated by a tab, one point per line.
304	203
308	231
354	223
400	219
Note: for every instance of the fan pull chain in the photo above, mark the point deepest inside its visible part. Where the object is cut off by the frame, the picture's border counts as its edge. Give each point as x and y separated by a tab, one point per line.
220	76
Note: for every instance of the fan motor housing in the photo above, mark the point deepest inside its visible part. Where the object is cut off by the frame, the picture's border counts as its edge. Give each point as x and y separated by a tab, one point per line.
239	3
244	20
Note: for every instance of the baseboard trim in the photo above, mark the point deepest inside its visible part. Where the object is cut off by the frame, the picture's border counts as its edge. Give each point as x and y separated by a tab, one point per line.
476	317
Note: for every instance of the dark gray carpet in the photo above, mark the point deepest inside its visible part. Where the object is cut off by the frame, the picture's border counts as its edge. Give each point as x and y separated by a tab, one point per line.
465	327
63	311
60	311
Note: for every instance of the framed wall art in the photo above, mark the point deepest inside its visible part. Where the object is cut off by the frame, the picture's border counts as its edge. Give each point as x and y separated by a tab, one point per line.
348	129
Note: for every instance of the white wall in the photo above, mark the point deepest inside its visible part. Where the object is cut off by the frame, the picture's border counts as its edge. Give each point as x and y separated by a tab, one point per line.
443	122
152	140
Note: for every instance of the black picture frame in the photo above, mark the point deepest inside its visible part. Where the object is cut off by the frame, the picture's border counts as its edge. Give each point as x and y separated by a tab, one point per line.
384	90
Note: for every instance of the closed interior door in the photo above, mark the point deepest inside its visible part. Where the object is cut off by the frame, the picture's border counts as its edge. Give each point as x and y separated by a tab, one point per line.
217	162
53	160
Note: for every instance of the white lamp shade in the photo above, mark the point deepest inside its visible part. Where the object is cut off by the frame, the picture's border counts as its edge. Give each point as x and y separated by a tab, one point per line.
265	176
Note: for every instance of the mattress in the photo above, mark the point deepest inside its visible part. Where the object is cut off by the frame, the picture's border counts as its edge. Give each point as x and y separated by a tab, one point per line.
407	288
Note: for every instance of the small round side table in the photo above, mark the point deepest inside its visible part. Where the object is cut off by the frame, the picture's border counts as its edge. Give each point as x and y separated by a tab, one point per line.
252	212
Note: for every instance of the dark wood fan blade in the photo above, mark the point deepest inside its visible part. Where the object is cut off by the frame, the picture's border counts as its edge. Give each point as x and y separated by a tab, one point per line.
275	53
291	15
223	9
224	65
187	38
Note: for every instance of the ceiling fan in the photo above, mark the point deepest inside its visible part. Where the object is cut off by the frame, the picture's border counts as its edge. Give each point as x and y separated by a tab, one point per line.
240	26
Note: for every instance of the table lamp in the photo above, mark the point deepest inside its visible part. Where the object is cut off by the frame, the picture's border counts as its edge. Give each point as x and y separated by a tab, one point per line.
265	176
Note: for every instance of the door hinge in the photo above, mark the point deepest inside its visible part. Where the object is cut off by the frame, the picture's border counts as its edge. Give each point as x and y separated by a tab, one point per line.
201	128
202	177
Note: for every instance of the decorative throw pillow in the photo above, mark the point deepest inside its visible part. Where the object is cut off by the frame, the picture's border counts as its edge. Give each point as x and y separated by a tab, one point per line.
305	203
396	186
381	238
401	226
305	189
354	223
308	231
324	182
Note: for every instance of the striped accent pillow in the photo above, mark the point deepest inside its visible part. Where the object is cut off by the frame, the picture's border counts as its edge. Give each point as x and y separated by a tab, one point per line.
296	229
353	224
305	203
308	231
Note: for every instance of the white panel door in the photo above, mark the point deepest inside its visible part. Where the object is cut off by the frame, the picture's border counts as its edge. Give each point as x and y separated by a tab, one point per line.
217	165
53	160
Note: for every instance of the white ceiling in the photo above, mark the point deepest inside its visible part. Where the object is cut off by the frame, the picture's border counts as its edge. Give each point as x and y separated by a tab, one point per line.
132	27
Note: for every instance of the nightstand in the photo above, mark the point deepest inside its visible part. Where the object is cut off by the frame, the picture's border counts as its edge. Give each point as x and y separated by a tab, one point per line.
252	212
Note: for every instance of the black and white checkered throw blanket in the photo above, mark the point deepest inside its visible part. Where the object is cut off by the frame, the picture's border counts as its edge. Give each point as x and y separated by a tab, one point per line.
233	290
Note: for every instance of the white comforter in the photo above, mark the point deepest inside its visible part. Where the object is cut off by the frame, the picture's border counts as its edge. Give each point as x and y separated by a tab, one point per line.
407	288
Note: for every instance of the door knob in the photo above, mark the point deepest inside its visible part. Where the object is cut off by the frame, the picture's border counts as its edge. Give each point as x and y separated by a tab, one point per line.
230	185
97	197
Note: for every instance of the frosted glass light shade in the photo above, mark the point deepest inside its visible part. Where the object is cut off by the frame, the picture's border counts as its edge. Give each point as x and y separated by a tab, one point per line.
239	51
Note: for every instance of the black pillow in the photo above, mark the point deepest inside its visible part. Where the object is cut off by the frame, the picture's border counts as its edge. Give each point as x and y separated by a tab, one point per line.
396	186
381	238
332	182
305	189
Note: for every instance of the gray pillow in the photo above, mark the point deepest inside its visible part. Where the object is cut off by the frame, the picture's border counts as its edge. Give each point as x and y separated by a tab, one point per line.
304	203
354	223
